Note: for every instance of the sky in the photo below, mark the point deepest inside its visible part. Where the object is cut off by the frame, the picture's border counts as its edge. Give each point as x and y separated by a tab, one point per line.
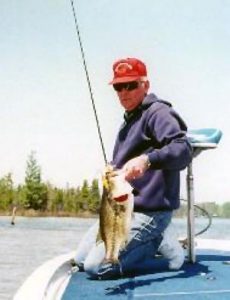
45	104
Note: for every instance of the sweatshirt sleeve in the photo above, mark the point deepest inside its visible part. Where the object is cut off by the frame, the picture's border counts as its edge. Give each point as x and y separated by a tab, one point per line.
169	131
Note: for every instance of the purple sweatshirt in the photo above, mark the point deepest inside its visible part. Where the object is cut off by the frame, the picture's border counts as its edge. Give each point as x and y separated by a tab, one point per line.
155	129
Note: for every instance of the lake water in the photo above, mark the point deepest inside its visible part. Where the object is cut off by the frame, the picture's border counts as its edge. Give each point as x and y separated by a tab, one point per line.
32	241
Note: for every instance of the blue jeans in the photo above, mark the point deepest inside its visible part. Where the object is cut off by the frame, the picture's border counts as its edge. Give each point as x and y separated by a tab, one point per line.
144	239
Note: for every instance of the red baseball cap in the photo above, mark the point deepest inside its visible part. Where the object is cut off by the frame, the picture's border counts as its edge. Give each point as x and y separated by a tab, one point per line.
128	69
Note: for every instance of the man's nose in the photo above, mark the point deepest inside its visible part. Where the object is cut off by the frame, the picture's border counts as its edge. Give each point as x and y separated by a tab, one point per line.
123	91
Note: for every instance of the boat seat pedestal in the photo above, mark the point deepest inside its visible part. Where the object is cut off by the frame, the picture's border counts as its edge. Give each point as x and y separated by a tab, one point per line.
200	139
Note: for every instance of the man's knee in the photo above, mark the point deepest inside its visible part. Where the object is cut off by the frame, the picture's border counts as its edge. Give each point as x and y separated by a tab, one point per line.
94	259
171	249
91	267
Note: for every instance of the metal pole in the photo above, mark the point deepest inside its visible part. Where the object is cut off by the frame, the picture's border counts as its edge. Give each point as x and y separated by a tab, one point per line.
190	220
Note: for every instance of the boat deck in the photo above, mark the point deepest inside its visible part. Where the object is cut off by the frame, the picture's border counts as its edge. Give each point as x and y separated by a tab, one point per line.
208	278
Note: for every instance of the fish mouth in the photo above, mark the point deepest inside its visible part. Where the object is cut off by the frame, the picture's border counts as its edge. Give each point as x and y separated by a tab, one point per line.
121	198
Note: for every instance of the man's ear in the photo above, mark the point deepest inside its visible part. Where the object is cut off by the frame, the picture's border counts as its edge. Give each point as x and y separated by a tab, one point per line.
147	85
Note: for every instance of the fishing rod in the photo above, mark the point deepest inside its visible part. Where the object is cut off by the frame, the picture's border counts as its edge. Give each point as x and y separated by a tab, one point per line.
88	80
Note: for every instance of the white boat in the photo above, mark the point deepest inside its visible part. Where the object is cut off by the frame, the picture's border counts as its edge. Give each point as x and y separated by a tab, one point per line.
208	278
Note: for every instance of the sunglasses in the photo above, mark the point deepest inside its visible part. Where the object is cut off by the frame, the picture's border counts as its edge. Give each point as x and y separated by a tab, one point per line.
128	86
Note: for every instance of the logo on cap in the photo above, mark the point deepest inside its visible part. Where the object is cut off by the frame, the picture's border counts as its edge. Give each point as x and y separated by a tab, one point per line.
122	68
128	69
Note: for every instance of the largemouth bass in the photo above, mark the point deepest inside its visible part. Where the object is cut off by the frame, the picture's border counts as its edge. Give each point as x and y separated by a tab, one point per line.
115	213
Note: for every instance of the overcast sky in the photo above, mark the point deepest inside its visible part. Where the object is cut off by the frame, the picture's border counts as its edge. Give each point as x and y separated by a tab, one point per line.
45	103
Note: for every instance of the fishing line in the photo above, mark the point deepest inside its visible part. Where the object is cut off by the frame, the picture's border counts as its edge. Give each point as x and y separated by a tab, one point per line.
205	212
88	80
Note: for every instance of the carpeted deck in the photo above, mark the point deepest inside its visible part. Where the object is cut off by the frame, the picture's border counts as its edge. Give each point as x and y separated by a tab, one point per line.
208	278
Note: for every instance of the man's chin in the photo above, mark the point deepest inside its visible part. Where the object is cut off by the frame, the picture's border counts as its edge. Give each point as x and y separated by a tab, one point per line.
128	107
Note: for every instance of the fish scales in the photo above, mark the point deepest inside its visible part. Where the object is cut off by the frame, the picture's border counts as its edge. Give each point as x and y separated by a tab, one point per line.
115	216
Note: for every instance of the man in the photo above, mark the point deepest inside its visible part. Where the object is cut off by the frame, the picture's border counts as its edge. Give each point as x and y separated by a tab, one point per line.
151	148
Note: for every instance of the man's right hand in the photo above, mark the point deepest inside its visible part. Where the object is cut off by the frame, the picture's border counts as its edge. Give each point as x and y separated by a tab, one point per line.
136	167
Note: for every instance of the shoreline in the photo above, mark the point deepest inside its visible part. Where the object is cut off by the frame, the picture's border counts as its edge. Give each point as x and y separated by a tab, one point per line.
34	214
84	214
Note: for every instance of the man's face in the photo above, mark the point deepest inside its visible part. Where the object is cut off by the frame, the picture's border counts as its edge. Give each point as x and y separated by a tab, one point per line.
131	94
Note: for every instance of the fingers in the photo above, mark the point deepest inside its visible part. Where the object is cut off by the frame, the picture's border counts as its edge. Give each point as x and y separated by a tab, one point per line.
135	168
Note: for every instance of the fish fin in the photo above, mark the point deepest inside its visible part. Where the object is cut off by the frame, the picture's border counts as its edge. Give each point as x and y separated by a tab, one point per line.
105	182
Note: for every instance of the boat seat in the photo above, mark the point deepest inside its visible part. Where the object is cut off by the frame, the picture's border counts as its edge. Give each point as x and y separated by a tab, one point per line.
204	139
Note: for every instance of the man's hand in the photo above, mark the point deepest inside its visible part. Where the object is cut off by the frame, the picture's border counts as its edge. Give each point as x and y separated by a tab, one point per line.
136	167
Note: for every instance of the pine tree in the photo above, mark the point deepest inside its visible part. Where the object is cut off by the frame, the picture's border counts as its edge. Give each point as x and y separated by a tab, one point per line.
69	200
35	190
78	200
6	192
84	196
94	201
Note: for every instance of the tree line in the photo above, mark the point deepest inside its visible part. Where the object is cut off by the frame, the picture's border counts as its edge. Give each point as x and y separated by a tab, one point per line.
36	195
201	209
